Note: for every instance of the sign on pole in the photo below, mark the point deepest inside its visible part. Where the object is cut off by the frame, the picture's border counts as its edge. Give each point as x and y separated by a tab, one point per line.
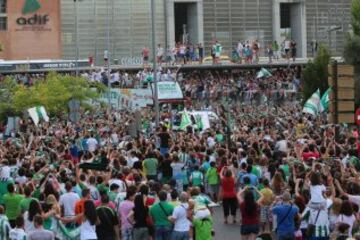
342	99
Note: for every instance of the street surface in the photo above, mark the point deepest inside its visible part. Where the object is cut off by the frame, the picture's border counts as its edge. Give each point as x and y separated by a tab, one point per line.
225	231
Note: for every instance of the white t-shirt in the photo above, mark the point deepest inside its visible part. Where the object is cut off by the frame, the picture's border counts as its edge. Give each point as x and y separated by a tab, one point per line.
87	231
281	146
316	193
5	172
68	201
132	160
211	142
28	225
354	199
348	220
182	224
176	168
92	144
120	183
287	44
17	234
21	180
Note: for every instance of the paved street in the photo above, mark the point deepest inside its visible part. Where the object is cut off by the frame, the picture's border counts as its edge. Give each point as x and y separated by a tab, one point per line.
222	231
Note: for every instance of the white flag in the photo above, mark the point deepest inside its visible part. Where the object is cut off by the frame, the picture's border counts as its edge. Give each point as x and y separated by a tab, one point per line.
263	73
37	114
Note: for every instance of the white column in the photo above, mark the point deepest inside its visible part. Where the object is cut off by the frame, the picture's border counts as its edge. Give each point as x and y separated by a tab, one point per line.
276	21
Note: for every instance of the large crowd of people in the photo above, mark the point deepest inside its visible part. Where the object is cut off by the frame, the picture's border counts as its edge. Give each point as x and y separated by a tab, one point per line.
278	173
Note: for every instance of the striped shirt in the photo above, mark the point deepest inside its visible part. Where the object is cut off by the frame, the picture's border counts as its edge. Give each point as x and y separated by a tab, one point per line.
4	227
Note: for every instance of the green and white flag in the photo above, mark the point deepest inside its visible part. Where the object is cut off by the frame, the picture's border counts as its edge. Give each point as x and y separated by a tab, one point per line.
312	105
263	73
324	101
199	122
185	120
38	113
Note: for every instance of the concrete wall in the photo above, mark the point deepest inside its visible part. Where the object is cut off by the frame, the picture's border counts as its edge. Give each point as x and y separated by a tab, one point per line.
320	15
192	17
130	28
231	21
36	41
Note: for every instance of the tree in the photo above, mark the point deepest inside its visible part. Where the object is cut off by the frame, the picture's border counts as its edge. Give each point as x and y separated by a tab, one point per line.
53	93
352	47
8	87
315	74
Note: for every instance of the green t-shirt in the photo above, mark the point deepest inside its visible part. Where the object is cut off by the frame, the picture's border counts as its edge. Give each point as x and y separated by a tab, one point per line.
3	189
219	138
112	196
150	165
203	228
286	169
256	171
25	203
212	176
197	178
12	205
160	215
102	187
36	194
201	202
82	186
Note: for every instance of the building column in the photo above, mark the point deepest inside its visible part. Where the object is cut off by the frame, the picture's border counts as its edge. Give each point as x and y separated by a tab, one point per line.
170	9
200	18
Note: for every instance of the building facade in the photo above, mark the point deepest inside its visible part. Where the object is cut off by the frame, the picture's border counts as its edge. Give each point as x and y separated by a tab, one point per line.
202	21
30	29
123	27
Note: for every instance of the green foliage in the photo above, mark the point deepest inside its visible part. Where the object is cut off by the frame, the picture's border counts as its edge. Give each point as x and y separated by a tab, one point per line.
53	93
7	89
355	16
352	47
315	74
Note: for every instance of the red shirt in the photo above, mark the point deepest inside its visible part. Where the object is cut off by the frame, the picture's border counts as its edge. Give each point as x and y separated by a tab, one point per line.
307	155
228	187
252	219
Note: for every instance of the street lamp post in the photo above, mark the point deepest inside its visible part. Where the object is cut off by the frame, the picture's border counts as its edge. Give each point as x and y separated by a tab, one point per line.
330	30
95	32
108	56
258	20
156	100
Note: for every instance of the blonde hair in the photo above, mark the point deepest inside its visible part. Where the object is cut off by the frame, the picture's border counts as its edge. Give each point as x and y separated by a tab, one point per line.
336	207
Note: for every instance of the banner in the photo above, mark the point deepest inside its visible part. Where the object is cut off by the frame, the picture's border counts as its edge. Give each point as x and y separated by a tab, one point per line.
114	98
135	99
169	90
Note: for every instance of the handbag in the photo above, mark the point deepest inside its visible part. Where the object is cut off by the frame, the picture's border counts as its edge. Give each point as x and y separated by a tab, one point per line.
311	227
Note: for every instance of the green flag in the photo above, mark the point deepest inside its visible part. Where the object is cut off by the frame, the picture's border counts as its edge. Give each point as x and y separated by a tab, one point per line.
324	102
185	120
263	73
312	104
199	122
